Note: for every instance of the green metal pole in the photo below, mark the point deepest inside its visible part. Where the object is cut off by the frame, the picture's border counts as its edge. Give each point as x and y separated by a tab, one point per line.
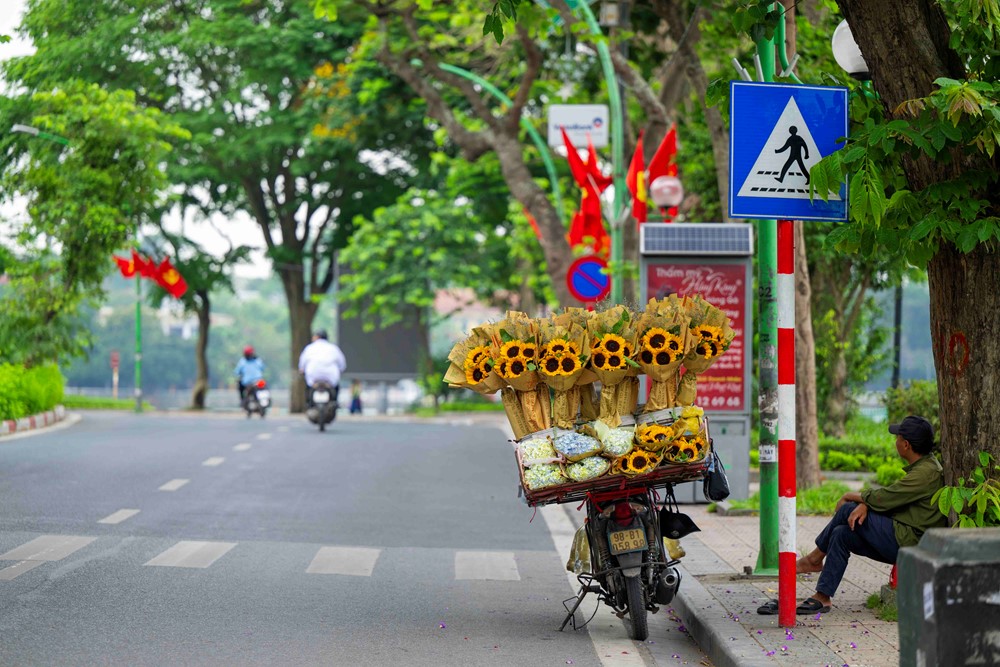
138	343
767	362
543	148
617	155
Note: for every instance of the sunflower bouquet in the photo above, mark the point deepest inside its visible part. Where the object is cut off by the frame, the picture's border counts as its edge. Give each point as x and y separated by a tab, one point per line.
589	399
471	363
636	462
691	440
515	354
712	335
613	334
663	344
562	365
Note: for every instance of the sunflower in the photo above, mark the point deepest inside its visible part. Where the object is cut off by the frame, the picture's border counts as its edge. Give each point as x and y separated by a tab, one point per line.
638	461
475	375
476	355
647	357
663	358
516	367
655	339
627	351
556	346
708	332
569	365
612	343
707	349
528	351
674	343
511	349
501	368
614	362
551	366
598	358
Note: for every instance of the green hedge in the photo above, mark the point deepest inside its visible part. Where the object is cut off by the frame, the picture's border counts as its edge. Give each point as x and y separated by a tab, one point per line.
29	391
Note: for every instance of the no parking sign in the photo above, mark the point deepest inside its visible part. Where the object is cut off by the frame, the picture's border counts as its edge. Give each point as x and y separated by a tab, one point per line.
588	280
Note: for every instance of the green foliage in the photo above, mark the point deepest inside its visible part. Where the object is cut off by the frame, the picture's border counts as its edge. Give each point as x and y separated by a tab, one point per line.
919	397
834	460
883	611
28	391
77	402
888	473
493	24
819	500
976	501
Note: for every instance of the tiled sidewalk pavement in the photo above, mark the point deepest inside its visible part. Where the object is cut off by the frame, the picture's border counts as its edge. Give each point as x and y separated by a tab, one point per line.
721	607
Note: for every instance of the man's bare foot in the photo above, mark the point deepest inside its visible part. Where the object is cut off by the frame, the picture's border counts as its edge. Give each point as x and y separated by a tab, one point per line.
804	565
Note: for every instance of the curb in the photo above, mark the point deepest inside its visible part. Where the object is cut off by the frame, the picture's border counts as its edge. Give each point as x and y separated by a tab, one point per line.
11	426
707	622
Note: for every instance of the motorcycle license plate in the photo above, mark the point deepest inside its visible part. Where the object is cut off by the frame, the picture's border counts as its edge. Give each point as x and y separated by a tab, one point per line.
263	396
321	397
625	541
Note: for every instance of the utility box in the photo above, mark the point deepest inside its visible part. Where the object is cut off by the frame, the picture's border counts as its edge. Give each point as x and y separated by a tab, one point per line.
948	597
715	261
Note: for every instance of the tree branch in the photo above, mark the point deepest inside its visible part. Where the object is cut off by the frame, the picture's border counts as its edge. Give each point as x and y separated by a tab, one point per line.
534	59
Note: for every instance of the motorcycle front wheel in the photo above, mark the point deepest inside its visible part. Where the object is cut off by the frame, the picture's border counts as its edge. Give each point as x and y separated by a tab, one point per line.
638	628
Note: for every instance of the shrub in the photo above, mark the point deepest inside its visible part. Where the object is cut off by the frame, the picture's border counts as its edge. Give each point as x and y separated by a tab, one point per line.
28	391
834	460
887	473
920	397
818	500
976	500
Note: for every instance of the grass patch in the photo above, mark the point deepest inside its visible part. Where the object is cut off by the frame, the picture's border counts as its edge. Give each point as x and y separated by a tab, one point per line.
820	500
884	612
76	402
459	406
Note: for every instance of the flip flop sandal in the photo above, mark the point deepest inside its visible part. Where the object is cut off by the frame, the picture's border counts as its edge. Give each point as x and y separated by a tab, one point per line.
811	606
769	608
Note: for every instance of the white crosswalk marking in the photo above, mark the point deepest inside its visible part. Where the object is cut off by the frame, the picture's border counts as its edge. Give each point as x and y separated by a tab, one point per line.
491	565
42	549
242	447
213	461
264	436
352	561
174	484
119	516
191	554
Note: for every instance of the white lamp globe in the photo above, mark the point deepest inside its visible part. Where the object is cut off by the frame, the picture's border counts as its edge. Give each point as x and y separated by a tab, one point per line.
666	191
847	53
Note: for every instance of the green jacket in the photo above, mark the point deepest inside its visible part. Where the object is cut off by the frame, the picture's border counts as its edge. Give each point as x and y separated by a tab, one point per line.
908	501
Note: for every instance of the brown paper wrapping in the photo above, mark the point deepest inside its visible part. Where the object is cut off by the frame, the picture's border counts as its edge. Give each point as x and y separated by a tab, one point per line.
589	402
535	408
688	390
515	413
566	407
455	375
667	314
700	311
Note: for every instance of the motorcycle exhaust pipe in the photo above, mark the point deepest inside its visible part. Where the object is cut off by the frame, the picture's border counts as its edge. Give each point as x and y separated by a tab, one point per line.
666	587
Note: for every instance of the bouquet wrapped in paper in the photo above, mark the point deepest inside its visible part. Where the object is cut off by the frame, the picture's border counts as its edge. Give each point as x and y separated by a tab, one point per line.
562	365
614	334
691	437
471	363
712	334
663	344
589	399
515	355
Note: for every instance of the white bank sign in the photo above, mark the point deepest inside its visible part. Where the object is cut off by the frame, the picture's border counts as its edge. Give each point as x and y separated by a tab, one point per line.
579	120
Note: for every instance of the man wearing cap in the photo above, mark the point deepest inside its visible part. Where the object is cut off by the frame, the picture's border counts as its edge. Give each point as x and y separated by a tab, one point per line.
876	523
322	360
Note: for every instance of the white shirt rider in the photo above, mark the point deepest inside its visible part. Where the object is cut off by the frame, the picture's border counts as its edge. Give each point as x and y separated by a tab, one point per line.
322	360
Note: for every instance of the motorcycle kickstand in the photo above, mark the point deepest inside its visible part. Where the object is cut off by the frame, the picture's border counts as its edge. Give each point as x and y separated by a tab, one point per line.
571	615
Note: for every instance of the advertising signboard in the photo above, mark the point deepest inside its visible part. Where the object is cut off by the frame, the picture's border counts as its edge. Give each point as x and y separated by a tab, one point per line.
579	121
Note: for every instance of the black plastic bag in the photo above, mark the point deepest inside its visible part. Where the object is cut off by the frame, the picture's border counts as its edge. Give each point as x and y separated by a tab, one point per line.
716	486
674	524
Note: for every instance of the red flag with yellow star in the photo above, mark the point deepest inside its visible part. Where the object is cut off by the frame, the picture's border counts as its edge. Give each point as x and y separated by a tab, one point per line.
170	279
126	266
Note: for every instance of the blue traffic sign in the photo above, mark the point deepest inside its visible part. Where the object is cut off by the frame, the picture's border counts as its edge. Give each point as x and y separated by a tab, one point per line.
587	279
777	133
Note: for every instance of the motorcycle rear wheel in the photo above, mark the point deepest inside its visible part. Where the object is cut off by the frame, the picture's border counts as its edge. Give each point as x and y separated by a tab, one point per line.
638	627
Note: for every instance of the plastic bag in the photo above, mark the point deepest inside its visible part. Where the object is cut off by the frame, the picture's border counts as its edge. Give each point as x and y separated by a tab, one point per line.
576	446
589	468
543	475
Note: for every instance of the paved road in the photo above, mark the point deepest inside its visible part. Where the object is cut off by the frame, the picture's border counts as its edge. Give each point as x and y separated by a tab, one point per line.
214	540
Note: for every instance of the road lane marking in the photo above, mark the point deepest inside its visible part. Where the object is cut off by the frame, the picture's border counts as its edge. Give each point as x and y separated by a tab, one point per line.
119	516
18	569
242	447
213	461
352	561
488	565
282	429
191	554
48	548
263	436
174	484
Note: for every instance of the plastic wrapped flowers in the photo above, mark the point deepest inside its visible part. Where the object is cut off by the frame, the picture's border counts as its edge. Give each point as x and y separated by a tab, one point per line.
591	467
576	446
543	475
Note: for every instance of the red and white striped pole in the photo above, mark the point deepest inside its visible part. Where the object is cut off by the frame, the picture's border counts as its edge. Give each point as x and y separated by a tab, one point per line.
787	554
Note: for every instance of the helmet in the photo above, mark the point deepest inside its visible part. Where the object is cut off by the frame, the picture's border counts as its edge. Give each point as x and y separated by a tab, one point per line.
320	333
248	350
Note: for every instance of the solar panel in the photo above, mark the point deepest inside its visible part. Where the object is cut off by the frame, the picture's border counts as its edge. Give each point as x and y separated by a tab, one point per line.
700	238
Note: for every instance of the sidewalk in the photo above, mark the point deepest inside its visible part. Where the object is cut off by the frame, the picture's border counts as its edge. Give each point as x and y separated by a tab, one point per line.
720	606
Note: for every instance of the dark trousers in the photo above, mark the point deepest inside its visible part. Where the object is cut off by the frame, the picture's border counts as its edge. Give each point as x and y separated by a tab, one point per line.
873	539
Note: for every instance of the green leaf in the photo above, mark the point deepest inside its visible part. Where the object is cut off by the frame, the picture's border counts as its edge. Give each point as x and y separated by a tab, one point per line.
505	337
957	503
944	500
632	362
984	459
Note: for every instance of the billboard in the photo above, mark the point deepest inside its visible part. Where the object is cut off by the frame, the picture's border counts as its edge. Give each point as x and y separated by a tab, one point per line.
579	121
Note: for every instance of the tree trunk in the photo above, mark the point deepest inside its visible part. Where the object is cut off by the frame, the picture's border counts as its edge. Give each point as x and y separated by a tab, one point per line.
965	305
897	333
201	352
301	314
836	402
807	472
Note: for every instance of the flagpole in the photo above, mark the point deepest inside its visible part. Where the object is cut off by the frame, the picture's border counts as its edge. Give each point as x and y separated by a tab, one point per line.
138	343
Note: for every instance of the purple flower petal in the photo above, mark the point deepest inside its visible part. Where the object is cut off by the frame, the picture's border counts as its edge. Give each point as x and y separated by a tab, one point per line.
442	626
853	645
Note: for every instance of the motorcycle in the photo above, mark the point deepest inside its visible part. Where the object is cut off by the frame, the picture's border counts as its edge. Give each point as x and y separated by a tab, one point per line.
629	567
323	404
257	399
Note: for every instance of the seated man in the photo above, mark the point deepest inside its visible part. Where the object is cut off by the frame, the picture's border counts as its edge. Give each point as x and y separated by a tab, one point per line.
876	523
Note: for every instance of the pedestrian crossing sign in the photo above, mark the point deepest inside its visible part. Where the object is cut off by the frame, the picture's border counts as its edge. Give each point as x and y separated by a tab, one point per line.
777	133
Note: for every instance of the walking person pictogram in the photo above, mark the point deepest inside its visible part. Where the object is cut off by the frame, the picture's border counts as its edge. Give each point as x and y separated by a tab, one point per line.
795	145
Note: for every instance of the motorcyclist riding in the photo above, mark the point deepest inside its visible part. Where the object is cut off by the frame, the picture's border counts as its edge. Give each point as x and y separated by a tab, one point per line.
322	360
249	369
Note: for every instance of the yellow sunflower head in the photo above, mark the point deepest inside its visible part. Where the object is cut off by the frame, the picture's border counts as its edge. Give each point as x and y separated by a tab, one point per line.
598	358
556	346
474	375
529	350
476	355
501	368
708	332
615	361
516	367
551	366
627	351
708	349
613	343
655	339
569	364
511	349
